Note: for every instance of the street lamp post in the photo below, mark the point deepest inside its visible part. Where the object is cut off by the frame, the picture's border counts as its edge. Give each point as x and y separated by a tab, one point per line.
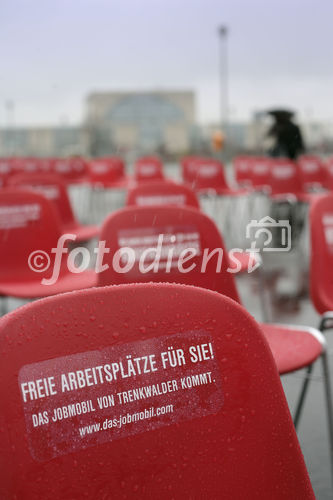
223	57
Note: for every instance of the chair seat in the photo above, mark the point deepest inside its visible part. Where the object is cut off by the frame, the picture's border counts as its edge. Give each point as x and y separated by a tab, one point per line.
245	259
293	347
34	289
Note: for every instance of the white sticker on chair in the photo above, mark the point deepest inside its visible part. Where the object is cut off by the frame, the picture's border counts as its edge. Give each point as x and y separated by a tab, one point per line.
18	216
161	199
147	169
91	398
50	192
174	241
208	171
283	171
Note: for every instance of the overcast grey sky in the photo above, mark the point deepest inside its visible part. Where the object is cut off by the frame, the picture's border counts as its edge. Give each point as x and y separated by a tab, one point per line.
54	52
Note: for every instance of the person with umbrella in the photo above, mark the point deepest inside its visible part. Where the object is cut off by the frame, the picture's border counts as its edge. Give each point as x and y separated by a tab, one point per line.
288	137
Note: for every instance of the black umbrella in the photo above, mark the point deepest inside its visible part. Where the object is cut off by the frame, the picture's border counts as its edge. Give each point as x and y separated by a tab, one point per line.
281	114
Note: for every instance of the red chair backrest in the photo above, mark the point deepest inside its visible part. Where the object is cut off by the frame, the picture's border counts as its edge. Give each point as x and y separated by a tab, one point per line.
242	169
189	168
106	171
321	270
216	423
285	177
182	227
52	187
72	170
210	175
329	173
6	170
313	170
148	168
28	223
204	173
161	193
260	172
32	165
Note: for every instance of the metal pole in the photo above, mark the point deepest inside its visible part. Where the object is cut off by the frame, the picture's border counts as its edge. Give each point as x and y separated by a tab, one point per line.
223	34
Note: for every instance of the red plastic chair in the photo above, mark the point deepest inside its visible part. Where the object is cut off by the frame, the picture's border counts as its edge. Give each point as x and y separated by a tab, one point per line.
148	168
73	170
286	181
217	423
108	172
329	174
32	165
242	170
139	228
208	177
54	189
6	170
313	171
161	193
169	193
321	269
260	173
29	224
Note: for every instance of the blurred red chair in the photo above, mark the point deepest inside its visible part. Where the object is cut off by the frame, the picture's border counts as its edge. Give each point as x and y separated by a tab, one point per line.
161	193
148	168
329	173
188	168
54	189
139	229
286	181
73	170
108	180
108	172
31	165
169	193
242	170
6	170
313	171
229	435
207	176
260	174
30	228
321	269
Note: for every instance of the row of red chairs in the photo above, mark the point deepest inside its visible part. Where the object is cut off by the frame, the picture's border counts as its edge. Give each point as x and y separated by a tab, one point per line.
276	176
30	218
309	171
292	347
105	172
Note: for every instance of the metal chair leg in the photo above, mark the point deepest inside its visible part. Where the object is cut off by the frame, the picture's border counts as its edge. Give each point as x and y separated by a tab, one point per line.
301	399
328	394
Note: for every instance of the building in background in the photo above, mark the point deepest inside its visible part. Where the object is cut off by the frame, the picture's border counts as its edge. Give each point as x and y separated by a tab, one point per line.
141	122
162	122
43	141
